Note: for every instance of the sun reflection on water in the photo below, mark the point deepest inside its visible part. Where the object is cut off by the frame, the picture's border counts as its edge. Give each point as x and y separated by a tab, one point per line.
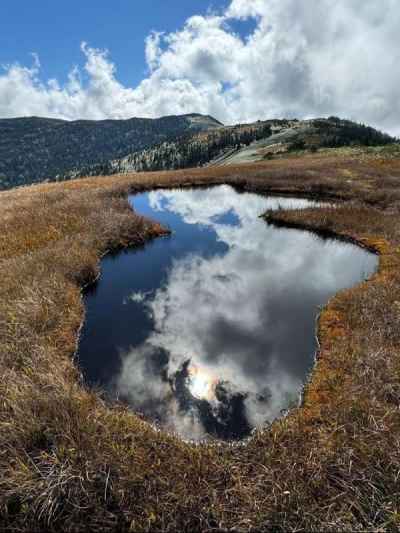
201	383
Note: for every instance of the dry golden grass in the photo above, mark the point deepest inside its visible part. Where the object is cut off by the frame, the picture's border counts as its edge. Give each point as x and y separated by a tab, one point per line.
69	462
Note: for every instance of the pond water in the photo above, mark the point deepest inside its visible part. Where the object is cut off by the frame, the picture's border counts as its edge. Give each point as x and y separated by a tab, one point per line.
210	332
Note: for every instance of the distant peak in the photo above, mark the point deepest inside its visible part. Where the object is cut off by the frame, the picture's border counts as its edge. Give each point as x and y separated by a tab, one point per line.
203	121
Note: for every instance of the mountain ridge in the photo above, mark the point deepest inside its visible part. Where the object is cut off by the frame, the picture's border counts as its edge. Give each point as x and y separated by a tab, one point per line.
243	143
35	149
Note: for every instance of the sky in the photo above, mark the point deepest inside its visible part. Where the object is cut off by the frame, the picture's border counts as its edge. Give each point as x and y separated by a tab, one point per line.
237	60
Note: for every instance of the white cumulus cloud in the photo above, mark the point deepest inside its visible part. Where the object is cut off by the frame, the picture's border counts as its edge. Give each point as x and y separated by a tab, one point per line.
301	59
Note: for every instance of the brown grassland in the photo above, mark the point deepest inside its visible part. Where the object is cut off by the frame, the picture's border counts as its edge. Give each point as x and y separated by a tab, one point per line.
70	462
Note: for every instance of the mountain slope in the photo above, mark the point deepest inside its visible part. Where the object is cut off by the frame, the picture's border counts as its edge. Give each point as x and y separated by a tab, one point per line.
35	149
311	135
190	150
242	143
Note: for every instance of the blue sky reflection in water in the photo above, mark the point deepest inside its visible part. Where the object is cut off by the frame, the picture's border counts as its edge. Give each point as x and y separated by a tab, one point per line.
211	331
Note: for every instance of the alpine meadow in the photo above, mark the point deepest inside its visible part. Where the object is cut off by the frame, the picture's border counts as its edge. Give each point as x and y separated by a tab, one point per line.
200	290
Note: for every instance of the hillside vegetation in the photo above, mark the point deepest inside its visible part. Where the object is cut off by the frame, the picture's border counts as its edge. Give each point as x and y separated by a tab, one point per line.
38	149
35	150
191	150
71	462
244	143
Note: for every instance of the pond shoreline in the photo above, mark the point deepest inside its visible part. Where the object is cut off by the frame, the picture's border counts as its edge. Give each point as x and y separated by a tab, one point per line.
198	213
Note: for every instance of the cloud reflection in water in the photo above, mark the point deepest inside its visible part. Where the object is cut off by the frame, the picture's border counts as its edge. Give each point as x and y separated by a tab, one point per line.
233	318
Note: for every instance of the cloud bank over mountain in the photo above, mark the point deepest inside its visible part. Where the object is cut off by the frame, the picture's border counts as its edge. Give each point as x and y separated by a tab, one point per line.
302	59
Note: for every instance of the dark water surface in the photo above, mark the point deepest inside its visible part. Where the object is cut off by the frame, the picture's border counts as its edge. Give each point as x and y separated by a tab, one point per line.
211	331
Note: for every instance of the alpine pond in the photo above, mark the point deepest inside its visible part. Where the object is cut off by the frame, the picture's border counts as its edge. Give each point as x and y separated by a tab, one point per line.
210	332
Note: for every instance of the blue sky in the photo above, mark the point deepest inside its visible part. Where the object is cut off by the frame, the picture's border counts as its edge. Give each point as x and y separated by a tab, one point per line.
238	60
54	29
